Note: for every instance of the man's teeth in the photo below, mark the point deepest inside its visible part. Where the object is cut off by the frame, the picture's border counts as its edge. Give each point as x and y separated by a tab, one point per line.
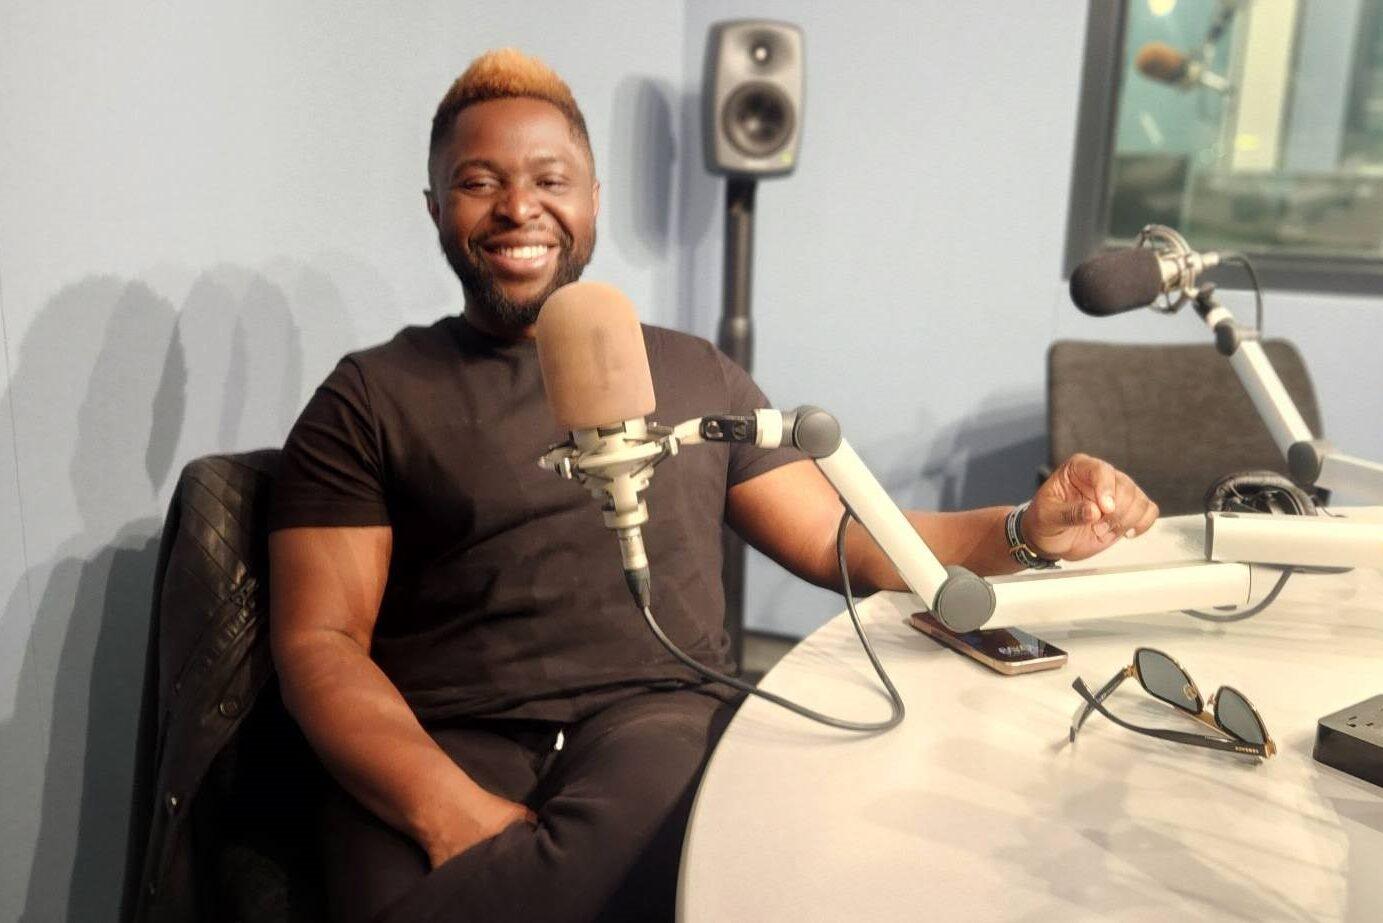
524	253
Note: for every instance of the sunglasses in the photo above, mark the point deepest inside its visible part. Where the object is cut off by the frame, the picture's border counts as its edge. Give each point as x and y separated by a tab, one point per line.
1228	712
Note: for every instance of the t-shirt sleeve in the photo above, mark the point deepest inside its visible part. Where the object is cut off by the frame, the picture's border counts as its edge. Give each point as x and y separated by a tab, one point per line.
331	472
749	461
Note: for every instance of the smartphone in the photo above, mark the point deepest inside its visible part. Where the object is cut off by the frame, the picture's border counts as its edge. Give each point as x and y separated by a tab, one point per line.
1009	651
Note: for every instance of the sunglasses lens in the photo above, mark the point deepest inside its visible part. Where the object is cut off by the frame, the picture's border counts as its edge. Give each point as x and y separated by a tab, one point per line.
1165	680
1235	715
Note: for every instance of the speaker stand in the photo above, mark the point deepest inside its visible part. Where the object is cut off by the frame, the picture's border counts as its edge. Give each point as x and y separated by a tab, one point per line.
736	340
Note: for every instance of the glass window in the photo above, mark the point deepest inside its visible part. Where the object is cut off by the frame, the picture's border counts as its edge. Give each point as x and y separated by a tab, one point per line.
1251	125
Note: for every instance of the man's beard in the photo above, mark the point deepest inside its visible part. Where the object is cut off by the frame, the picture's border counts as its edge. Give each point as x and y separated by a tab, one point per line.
484	293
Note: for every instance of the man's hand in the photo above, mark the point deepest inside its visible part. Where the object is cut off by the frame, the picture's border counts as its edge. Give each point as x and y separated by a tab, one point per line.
1084	507
483	816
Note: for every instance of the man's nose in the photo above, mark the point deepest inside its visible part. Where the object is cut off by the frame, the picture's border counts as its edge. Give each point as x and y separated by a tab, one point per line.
519	203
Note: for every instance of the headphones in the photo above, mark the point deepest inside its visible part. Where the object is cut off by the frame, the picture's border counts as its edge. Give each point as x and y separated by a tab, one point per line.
1258	492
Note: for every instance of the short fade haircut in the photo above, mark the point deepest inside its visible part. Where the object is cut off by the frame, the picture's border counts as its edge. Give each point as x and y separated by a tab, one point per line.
505	73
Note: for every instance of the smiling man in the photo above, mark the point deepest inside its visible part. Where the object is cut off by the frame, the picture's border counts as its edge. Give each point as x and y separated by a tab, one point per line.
451	625
513	193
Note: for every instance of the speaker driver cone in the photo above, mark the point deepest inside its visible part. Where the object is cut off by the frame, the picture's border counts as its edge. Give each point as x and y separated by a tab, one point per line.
759	119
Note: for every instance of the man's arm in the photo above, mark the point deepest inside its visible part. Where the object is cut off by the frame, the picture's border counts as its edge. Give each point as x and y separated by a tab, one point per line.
325	590
791	514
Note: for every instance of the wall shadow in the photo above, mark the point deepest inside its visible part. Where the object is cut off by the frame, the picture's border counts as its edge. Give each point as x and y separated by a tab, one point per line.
990	458
336	302
238	335
643	151
699	202
222	372
66	753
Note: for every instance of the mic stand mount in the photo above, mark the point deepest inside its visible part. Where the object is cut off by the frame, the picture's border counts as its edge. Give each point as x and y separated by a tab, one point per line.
615	463
1173	251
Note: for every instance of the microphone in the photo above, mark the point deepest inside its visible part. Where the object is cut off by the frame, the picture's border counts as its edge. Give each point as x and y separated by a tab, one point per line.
596	376
1163	63
1122	280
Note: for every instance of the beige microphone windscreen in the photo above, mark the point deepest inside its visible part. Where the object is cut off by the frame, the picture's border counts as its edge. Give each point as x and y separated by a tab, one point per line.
592	354
1161	61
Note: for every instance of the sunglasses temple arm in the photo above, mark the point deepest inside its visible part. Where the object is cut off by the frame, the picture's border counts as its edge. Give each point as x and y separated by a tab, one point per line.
1105	692
1181	737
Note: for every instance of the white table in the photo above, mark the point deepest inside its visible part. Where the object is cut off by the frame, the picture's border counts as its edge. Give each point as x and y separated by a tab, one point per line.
978	807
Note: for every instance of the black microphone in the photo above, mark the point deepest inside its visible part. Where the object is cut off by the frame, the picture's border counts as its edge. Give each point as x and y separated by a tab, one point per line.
1123	280
1113	283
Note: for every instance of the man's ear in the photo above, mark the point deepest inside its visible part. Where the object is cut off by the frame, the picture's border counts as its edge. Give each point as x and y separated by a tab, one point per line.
595	197
433	209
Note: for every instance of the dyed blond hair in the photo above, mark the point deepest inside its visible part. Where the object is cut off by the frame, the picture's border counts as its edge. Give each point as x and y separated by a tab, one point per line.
506	73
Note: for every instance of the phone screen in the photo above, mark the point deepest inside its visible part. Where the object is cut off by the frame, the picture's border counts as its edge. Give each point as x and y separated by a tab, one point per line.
1006	645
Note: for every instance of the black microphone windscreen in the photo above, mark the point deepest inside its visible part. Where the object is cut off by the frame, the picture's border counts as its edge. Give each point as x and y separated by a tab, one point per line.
1115	282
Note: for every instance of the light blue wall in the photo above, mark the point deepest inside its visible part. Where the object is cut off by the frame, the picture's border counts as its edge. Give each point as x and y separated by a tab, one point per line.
204	208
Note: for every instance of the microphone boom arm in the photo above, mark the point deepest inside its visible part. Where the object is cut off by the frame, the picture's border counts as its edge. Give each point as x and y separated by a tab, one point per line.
1239	547
1242	550
1313	462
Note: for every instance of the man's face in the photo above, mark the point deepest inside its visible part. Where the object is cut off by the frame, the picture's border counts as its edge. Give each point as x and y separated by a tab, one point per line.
514	199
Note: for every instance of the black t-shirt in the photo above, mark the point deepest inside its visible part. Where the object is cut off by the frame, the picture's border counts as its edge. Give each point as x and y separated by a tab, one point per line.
505	594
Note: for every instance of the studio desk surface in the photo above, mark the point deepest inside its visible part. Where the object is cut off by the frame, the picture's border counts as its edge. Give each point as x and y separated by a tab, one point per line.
978	807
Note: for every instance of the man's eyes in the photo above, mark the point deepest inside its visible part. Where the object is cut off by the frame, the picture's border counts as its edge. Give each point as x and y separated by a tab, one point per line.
486	184
477	184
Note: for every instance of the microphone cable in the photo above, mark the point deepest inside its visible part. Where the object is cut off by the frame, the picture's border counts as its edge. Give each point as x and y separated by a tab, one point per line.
1241	259
1226	617
895	700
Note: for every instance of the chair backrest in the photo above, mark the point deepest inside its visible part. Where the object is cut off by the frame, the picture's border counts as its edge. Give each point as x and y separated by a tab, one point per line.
222	826
1175	418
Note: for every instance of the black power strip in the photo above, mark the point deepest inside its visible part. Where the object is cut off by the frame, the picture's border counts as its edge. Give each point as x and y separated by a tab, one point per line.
1351	740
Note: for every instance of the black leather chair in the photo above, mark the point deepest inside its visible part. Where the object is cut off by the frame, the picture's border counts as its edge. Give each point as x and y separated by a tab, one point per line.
1175	418
226	786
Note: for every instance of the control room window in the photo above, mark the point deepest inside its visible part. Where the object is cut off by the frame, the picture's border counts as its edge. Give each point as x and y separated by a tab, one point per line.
1249	125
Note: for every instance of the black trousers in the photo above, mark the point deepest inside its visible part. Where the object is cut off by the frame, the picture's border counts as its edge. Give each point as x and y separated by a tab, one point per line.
612	808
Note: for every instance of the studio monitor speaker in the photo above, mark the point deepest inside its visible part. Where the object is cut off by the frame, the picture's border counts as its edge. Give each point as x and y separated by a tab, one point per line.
753	98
